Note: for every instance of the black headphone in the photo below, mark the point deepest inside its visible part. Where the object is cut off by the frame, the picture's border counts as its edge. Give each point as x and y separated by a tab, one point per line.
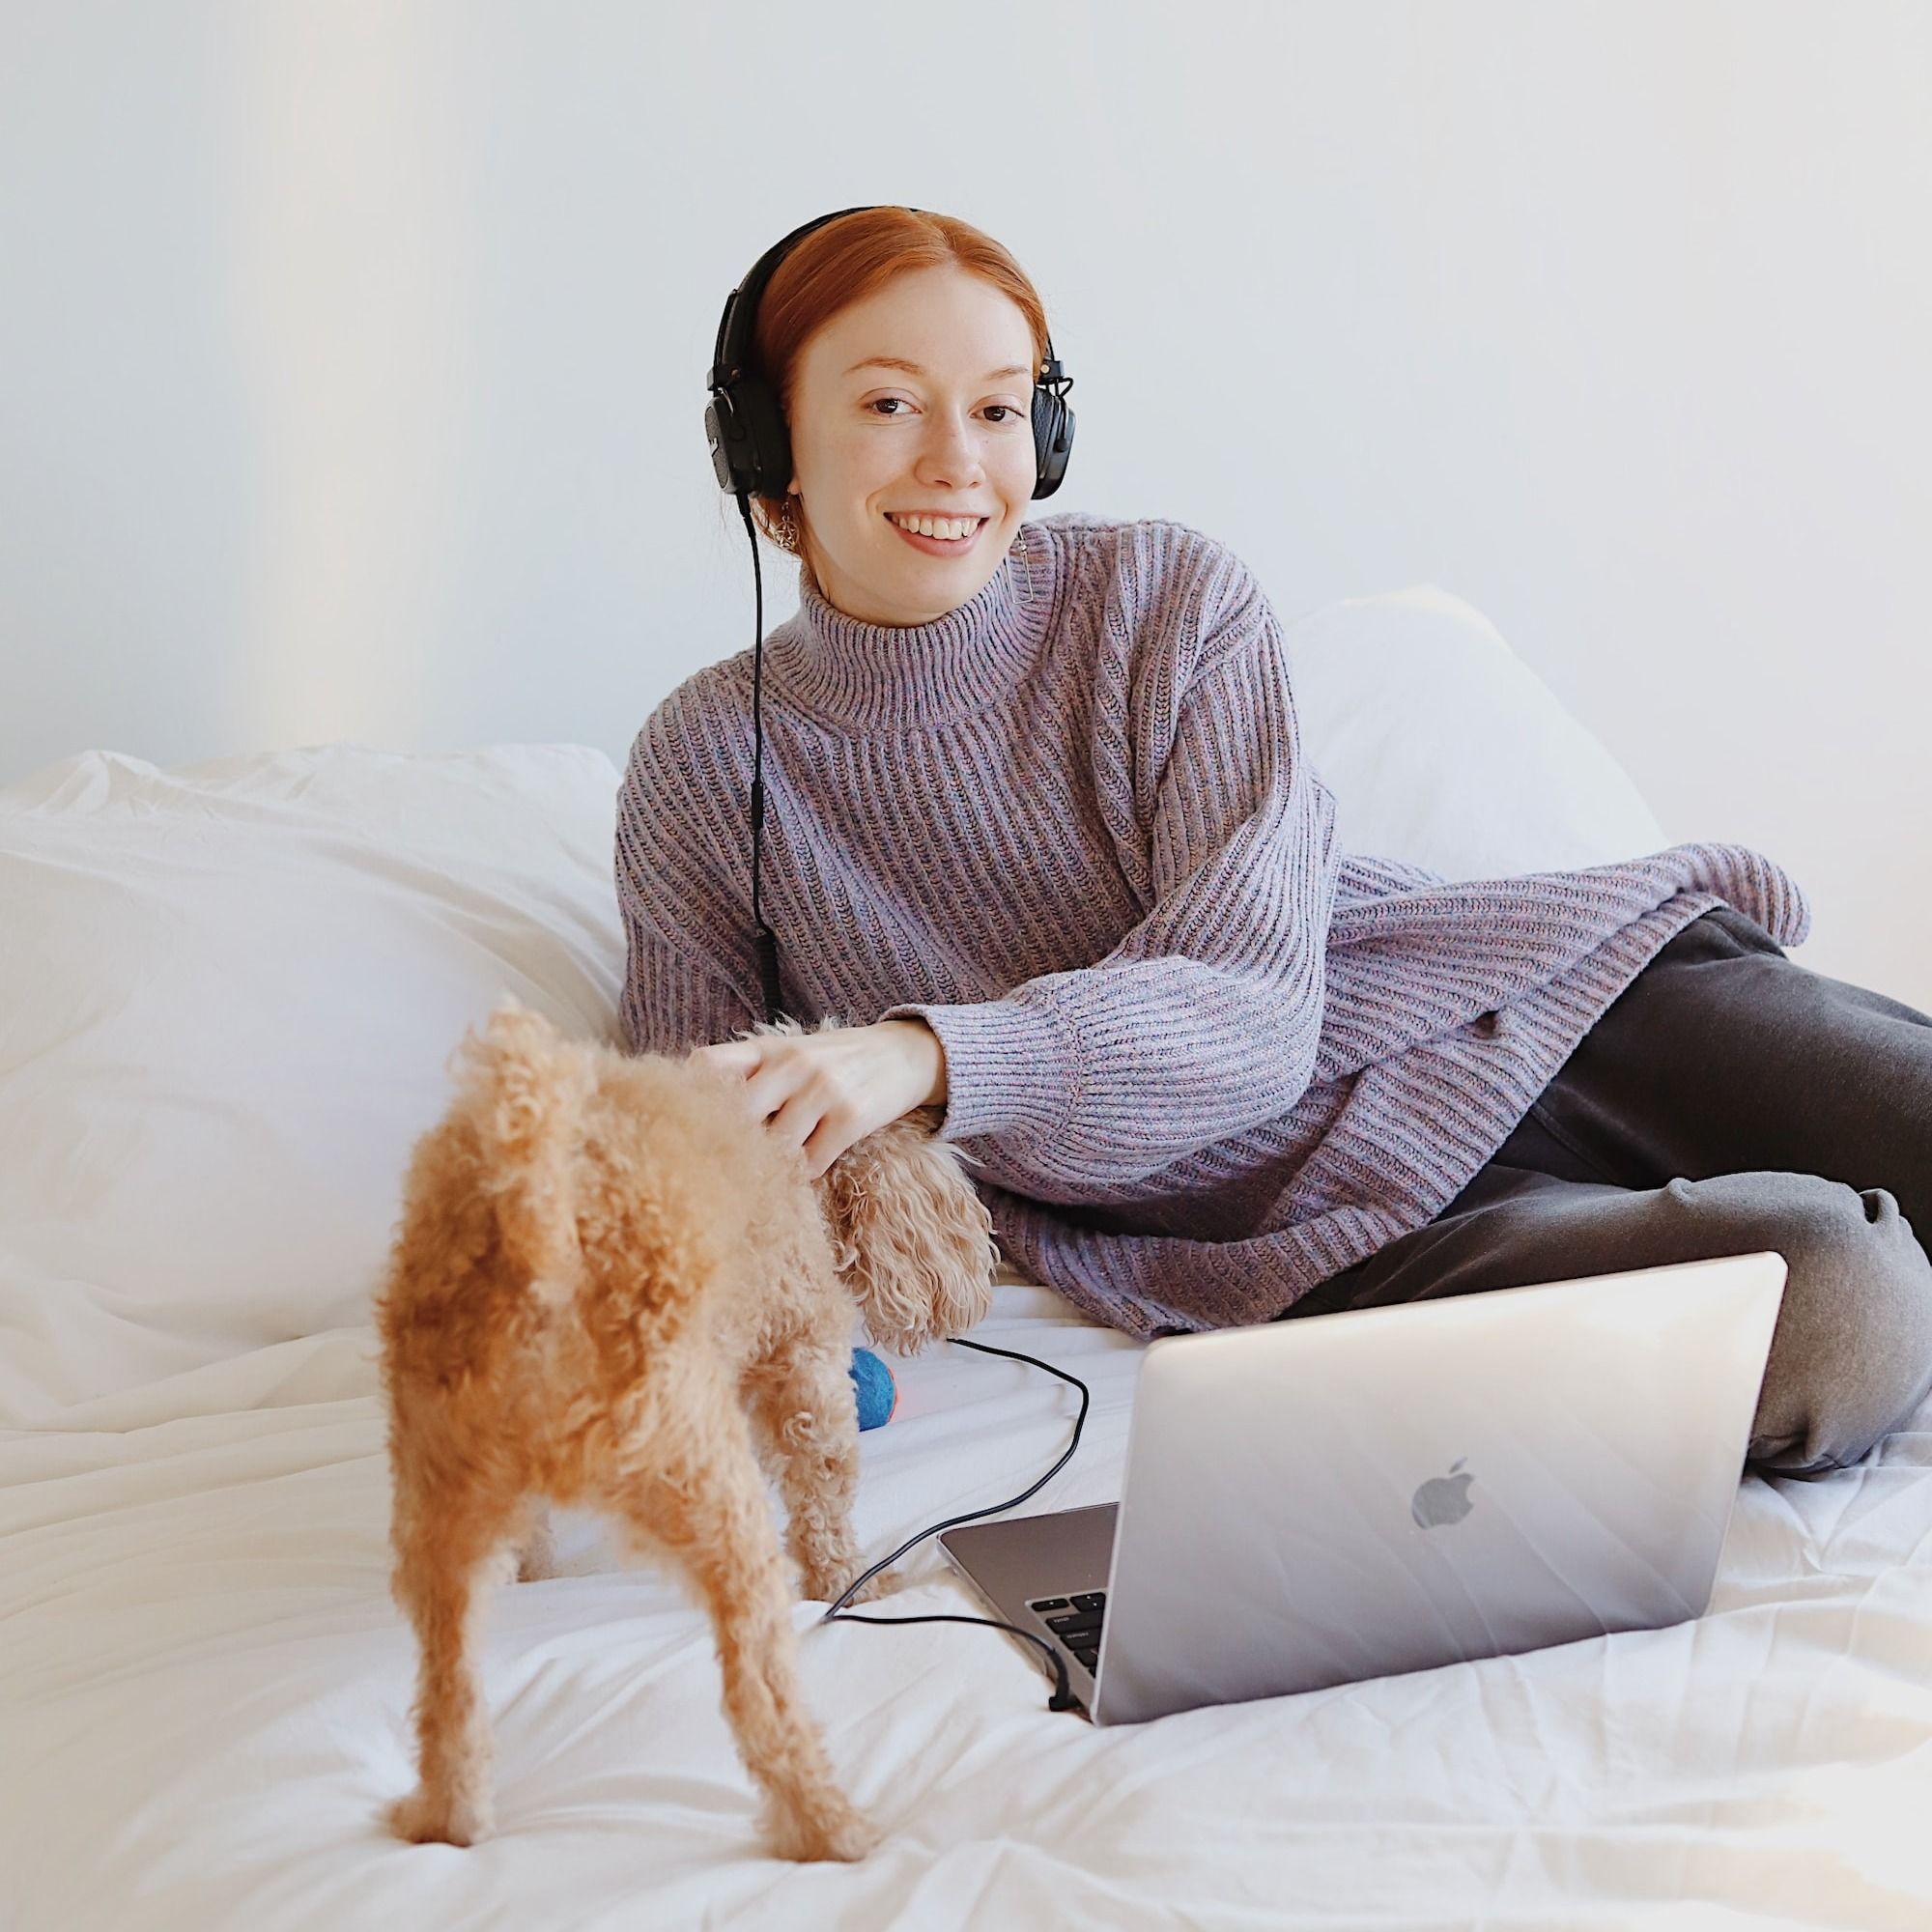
750	451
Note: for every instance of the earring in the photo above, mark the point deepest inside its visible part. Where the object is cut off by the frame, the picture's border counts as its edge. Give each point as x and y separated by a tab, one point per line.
1026	567
787	536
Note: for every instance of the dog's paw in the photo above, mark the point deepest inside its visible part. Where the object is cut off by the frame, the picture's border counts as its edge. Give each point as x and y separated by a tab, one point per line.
825	1588
825	1827
886	1583
420	1820
536	1554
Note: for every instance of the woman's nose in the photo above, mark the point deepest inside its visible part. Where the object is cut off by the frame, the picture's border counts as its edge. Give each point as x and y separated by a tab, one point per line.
950	451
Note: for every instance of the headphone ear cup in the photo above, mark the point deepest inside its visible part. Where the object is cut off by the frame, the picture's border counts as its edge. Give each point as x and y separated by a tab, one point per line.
726	435
750	450
1052	440
769	444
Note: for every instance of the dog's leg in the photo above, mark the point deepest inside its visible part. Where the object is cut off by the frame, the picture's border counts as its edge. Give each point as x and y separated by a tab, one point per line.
449	1554
714	1514
803	1403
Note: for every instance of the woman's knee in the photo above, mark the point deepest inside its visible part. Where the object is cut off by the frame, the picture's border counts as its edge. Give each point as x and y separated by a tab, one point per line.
1851	1357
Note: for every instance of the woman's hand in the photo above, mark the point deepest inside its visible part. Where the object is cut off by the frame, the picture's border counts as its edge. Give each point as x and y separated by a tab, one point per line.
825	1091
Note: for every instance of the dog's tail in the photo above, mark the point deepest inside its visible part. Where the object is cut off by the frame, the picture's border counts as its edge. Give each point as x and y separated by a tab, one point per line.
528	1085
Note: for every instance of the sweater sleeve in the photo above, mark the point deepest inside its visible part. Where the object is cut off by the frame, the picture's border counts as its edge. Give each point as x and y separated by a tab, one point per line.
671	1004
1203	1020
671	1000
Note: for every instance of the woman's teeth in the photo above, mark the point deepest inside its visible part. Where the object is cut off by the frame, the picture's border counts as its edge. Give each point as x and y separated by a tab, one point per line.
946	528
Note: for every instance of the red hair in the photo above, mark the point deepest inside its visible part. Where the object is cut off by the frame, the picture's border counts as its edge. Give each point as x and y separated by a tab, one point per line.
852	258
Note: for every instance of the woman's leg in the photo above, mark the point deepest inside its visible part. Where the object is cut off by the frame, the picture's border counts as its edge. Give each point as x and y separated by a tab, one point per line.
1725	1056
1622	1163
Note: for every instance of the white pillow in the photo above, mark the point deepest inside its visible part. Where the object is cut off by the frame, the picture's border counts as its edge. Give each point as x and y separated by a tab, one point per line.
1445	749
227	997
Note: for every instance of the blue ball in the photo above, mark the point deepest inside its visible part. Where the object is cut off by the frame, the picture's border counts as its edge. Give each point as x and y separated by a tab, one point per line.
877	1393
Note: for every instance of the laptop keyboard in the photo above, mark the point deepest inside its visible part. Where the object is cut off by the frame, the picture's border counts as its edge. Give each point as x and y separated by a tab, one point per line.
1076	1622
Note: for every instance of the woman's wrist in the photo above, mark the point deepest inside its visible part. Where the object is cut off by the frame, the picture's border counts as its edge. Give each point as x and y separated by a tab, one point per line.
929	1051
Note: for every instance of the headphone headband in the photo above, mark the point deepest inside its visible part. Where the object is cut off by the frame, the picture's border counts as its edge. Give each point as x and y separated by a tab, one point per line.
733	356
750	447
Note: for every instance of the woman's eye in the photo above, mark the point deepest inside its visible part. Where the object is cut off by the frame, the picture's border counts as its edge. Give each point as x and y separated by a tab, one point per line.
1002	413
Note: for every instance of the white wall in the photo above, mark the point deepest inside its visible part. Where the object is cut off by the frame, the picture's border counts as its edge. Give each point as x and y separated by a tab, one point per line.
351	356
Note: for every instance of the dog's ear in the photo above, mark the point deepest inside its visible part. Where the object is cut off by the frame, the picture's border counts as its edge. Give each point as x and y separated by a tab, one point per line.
912	1240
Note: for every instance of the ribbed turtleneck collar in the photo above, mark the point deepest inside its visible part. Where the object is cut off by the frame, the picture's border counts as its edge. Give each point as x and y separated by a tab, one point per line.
860	674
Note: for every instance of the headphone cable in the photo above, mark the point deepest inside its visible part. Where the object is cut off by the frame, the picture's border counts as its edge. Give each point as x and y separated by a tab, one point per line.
1063	1699
766	940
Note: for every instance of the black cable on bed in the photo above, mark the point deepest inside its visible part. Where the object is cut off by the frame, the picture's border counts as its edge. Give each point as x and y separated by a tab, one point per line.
1063	1699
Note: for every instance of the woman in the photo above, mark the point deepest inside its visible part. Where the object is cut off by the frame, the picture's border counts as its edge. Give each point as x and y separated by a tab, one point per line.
1041	827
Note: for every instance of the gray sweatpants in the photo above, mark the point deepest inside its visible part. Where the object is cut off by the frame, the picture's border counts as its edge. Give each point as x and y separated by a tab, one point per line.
1728	1100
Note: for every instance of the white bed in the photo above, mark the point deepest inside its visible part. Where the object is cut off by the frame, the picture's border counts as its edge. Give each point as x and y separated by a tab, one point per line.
226	998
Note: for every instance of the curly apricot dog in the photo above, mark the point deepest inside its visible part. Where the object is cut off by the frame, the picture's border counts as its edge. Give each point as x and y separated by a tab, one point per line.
612	1288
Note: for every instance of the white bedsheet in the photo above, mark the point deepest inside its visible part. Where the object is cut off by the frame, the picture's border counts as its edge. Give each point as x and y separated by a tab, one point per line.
204	1689
226	1000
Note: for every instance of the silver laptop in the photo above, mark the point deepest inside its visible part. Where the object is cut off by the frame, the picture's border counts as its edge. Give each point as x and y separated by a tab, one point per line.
1315	1501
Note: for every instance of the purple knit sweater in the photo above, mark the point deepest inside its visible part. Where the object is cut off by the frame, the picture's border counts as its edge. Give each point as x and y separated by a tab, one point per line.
1205	1059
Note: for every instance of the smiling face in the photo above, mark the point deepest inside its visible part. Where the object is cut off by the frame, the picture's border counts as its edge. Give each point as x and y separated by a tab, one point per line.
915	400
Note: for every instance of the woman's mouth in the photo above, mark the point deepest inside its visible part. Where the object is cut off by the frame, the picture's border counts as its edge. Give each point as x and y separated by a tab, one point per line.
938	546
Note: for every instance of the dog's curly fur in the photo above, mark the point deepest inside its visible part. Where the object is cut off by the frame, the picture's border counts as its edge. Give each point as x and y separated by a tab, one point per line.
611	1287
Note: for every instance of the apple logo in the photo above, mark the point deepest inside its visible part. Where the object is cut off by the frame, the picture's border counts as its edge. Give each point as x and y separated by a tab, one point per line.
1442	1499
